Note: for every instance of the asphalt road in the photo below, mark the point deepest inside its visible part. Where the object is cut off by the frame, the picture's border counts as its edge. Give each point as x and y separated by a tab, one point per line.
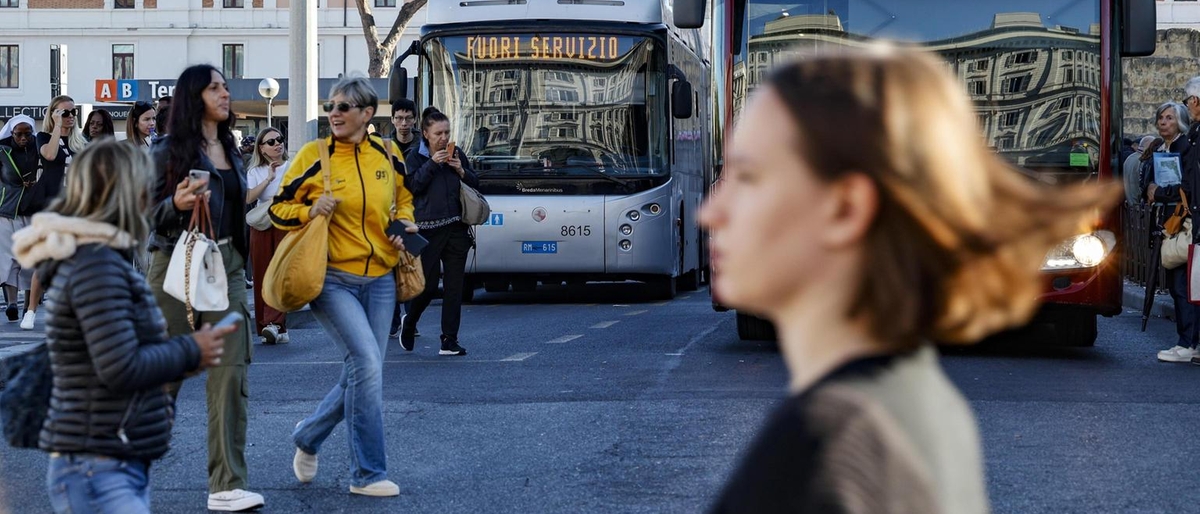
588	399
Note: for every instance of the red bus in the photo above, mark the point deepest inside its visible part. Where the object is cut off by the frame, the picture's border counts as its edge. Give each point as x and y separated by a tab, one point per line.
1045	76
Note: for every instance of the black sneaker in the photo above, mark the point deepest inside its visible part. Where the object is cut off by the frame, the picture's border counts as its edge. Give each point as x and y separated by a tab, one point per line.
451	347
408	335
1196	360
12	312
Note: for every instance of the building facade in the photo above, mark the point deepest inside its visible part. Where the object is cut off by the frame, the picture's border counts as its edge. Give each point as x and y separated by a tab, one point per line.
50	47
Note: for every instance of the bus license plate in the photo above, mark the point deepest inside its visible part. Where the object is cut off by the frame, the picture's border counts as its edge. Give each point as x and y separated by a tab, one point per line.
539	247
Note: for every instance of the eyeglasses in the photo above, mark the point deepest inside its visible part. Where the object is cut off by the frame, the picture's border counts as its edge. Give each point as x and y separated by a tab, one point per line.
1188	99
340	106
273	142
69	114
405	118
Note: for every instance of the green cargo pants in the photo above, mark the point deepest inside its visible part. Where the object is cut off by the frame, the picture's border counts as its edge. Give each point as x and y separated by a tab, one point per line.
227	390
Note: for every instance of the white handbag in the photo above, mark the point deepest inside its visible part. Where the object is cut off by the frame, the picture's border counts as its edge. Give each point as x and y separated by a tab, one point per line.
259	218
196	275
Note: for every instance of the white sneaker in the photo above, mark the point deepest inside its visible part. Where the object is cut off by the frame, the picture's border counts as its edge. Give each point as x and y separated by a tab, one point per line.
28	321
234	501
283	338
270	334
1177	354
380	488
304	466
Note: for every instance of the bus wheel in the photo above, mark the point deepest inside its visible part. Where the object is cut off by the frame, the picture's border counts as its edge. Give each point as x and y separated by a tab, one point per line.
1074	328
689	281
751	328
468	291
495	286
662	288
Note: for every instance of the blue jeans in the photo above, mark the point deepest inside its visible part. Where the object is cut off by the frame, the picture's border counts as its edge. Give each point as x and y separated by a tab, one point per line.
1187	316
355	311
82	483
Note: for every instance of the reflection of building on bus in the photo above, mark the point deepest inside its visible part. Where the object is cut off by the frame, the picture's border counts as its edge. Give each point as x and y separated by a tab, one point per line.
589	137
1035	80
1036	88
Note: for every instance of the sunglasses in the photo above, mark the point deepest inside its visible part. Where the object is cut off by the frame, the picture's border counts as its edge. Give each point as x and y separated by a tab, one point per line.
340	106
273	142
69	114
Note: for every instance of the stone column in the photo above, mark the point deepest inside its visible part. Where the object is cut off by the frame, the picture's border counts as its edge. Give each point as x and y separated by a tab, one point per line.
302	75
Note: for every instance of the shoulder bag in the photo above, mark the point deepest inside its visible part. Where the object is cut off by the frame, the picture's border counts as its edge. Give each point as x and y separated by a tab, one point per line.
25	399
1177	235
410	276
259	218
296	274
475	208
196	275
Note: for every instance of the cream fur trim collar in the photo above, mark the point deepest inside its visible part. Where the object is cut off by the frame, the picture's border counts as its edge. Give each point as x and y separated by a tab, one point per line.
56	237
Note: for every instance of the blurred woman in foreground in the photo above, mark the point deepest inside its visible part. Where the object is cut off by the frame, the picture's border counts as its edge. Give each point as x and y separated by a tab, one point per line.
864	246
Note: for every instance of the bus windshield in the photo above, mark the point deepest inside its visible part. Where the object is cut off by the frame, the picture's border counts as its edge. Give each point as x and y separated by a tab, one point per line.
551	104
1032	67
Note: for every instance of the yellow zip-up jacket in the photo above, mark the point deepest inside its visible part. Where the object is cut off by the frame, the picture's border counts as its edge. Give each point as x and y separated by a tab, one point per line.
367	185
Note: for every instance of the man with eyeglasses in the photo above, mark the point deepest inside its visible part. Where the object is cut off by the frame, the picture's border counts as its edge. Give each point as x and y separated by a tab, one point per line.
18	172
1186	349
404	118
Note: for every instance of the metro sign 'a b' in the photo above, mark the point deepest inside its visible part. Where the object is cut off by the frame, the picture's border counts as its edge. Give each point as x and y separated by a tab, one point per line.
116	90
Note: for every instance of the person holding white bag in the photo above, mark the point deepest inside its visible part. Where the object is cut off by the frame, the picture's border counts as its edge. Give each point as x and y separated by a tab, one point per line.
200	171
1171	122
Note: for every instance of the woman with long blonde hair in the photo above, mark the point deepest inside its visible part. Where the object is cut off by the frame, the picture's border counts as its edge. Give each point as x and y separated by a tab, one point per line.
107	340
267	165
861	212
57	144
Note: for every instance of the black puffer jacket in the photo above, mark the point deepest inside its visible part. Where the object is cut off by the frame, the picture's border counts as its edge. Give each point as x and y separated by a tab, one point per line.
111	357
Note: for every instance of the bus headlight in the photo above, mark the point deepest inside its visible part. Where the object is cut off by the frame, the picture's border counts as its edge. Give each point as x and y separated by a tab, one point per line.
626	229
626	244
1081	252
634	215
654	209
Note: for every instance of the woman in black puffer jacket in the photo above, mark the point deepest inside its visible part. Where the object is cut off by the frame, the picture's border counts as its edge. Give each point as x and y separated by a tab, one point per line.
110	415
434	177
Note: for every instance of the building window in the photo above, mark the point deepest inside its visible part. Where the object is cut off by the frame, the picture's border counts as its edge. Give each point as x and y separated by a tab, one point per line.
122	56
10	71
233	59
1009	119
385	3
233	4
10	3
123	4
977	87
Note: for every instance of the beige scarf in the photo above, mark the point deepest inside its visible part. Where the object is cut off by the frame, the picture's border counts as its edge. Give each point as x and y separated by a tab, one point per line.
53	236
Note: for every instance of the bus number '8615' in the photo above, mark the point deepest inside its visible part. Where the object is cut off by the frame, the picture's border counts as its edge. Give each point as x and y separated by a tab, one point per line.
576	230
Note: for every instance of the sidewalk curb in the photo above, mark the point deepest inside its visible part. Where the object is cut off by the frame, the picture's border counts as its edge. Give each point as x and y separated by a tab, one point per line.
1135	296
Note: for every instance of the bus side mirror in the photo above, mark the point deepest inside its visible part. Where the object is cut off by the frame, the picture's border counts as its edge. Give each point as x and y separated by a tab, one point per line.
681	99
689	14
397	82
1138	25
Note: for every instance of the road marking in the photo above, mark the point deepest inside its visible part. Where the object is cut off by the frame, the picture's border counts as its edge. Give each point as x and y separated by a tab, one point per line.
619	305
680	354
634	313
605	324
29	336
15	350
659	304
518	357
564	339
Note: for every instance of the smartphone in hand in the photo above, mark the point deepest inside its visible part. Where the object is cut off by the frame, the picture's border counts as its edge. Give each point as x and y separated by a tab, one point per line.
198	175
230	319
450	150
413	243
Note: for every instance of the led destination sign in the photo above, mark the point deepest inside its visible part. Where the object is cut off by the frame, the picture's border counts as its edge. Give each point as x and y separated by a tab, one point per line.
591	48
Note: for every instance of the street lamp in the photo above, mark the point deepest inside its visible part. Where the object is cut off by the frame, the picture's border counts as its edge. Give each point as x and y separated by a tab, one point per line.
268	88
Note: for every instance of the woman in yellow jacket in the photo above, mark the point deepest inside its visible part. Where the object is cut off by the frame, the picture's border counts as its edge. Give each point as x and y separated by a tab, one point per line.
355	304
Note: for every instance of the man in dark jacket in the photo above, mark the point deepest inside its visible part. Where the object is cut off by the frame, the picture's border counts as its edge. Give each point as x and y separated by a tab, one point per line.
18	172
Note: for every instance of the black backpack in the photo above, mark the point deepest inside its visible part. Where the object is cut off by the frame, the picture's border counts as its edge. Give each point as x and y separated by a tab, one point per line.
25	399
